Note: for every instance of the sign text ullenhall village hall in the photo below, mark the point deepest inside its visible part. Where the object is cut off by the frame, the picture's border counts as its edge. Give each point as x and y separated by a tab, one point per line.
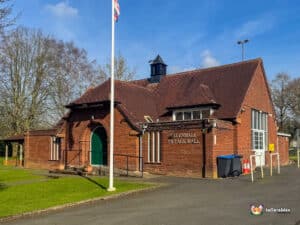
183	138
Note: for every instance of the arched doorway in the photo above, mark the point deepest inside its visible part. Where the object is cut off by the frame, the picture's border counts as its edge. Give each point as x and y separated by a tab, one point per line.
98	146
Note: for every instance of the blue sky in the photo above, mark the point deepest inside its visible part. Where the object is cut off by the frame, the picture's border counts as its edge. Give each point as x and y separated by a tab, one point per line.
187	34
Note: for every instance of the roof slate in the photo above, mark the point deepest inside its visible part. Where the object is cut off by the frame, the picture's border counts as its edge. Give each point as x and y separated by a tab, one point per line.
223	85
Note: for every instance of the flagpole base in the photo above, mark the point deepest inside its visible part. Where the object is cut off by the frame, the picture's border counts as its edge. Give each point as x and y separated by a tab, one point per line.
111	189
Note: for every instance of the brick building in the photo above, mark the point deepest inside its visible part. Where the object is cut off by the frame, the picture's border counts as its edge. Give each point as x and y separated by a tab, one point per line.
168	124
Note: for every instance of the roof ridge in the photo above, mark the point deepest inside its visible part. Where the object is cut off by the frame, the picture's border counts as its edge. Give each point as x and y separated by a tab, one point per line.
214	67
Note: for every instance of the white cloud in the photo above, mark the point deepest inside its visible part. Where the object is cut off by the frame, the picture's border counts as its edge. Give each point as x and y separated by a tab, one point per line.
62	9
255	27
178	69
208	60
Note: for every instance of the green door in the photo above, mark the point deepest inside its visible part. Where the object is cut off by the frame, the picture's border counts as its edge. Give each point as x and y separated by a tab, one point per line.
97	149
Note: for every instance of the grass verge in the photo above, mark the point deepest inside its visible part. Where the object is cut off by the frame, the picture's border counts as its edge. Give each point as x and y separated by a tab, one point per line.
17	198
293	157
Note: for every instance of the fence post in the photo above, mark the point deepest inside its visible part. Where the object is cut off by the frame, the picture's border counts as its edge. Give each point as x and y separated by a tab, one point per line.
261	166
298	157
271	165
251	168
278	163
6	154
142	167
127	164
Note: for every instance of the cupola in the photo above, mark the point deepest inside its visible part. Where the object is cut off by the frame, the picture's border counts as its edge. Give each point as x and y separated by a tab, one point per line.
158	69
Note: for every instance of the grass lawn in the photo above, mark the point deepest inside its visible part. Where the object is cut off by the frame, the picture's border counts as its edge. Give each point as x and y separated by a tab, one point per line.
23	191
293	157
1	160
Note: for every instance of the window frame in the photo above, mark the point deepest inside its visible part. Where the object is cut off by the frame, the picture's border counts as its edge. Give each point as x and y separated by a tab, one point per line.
183	111
55	148
259	130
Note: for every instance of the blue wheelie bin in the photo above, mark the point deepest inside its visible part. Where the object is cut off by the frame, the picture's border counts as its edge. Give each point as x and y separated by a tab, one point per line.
224	165
229	165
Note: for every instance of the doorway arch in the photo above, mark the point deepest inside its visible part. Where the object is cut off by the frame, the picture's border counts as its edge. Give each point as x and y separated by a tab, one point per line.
98	142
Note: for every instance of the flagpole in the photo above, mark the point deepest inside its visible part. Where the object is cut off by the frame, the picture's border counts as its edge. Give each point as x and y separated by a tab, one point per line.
112	96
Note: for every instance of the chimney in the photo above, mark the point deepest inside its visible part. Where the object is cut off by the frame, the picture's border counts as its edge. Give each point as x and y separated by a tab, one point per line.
158	69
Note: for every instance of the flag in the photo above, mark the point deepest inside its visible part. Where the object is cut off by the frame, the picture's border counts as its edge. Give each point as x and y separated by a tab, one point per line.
116	10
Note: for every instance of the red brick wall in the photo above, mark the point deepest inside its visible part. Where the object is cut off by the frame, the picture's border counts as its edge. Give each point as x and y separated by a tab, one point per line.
258	98
79	133
176	159
283	146
224	144
37	153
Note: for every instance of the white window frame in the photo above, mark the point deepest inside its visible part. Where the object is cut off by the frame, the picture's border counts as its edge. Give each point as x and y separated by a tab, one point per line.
54	149
154	149
191	111
259	130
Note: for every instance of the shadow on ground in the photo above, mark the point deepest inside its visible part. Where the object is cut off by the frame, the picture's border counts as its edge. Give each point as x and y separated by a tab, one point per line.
94	182
2	186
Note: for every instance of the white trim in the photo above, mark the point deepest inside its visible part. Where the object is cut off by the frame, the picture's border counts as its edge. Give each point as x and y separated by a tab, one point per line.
51	147
21	152
158	147
140	152
215	139
284	134
191	110
153	147
54	148
149	147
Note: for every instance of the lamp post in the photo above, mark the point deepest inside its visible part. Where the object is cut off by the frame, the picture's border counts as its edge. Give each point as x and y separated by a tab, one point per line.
242	42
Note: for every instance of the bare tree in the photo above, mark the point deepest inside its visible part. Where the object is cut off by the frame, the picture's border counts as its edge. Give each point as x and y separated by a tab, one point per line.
294	88
38	76
73	73
122	71
286	98
282	99
23	78
5	14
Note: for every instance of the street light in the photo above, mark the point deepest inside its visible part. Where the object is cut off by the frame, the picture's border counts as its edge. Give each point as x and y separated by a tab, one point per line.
242	43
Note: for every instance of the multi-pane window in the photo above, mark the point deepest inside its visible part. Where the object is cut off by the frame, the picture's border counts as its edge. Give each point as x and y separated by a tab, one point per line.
179	116
154	153
259	130
54	148
196	115
192	114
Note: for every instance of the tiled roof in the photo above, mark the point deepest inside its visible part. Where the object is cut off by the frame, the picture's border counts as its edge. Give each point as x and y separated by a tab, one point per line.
21	137
223	85
14	138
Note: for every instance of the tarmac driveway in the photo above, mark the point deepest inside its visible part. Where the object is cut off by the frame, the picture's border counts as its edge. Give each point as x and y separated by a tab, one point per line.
191	201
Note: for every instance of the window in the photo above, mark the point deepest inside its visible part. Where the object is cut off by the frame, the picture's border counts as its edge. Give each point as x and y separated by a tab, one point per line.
196	115
187	115
179	116
55	148
191	114
259	130
154	154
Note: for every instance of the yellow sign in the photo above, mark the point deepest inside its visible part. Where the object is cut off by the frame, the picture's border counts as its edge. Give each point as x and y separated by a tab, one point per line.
271	147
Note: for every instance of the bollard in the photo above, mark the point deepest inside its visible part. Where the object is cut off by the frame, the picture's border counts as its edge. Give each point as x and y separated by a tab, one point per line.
251	168
298	157
261	166
271	163
6	155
